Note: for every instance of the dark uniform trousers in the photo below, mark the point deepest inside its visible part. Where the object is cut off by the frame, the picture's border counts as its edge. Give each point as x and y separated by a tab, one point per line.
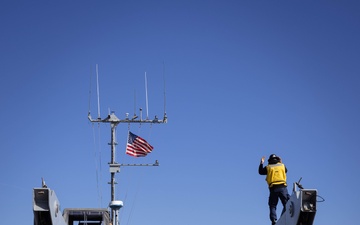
277	193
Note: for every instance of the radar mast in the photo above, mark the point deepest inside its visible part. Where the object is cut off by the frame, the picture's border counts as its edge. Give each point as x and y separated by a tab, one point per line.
114	121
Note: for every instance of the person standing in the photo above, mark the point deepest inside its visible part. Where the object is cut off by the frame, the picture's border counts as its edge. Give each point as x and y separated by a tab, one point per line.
275	173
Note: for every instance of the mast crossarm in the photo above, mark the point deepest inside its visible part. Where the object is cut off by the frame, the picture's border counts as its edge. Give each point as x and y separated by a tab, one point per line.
113	119
154	164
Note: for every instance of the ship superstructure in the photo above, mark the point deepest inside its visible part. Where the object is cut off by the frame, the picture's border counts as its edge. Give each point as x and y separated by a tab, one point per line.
46	206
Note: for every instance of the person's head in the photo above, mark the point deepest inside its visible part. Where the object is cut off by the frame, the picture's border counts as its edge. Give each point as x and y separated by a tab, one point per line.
273	159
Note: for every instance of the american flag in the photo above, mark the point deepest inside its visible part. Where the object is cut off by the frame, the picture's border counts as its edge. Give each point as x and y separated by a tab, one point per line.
137	146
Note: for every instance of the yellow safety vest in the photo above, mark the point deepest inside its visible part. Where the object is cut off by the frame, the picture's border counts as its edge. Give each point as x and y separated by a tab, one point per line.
276	174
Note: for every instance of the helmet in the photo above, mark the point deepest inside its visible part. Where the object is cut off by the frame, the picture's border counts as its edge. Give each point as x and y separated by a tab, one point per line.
273	157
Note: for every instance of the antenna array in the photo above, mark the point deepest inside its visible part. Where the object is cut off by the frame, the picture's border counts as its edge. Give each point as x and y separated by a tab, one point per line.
114	121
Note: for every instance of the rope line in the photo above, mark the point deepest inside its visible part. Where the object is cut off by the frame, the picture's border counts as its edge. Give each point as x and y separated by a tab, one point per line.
96	166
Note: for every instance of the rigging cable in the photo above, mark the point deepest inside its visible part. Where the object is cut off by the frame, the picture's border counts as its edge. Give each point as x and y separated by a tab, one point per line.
99	192
132	207
96	166
128	183
98	101
124	201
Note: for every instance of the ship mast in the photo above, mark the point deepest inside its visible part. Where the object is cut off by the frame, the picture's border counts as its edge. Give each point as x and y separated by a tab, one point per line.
115	205
114	121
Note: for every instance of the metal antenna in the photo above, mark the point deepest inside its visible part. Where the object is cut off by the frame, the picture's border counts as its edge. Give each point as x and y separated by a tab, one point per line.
90	89
164	89
97	89
146	95
135	116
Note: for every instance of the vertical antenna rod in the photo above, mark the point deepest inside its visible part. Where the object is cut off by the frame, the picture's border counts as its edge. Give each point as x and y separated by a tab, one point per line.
146	94
134	105
90	89
164	88
97	89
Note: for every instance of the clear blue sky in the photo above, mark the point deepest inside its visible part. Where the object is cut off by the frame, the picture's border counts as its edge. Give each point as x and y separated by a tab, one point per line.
243	79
